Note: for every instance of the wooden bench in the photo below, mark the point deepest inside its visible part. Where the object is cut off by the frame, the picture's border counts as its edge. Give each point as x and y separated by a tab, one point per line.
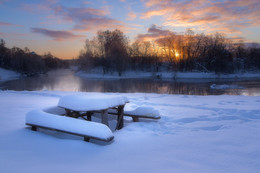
140	112
88	130
143	112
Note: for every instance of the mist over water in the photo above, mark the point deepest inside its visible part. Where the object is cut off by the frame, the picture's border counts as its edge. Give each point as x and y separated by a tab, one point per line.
66	80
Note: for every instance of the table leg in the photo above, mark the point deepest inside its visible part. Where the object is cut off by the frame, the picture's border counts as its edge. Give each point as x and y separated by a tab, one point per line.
120	118
104	118
89	115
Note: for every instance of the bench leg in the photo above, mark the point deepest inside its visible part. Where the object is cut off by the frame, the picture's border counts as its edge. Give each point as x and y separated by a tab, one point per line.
135	119
34	128
120	118
86	139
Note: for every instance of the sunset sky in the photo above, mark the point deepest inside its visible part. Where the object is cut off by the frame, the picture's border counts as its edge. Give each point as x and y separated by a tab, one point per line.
61	26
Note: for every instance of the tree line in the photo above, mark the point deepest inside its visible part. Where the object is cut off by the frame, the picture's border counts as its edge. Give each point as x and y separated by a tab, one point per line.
26	62
112	52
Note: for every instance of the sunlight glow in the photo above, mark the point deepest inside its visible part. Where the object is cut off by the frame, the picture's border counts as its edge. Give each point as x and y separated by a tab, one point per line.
177	54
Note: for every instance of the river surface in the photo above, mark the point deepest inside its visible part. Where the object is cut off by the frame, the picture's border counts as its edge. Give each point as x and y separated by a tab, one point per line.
66	80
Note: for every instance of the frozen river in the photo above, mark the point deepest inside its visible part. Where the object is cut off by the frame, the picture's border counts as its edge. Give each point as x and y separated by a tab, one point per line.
66	80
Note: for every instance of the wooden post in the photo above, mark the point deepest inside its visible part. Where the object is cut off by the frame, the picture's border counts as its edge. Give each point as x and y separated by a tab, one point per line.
120	118
104	117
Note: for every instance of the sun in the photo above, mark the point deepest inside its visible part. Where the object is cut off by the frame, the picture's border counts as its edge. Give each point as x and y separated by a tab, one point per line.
177	54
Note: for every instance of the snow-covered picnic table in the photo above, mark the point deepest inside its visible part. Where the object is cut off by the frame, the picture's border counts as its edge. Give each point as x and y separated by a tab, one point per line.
84	106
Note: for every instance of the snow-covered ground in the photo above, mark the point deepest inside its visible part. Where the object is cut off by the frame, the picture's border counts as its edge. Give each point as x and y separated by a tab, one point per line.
8	75
195	134
166	75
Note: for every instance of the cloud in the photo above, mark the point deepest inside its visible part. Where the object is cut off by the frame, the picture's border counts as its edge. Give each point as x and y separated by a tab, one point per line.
131	16
13	35
81	19
154	33
87	19
233	15
8	24
37	8
56	35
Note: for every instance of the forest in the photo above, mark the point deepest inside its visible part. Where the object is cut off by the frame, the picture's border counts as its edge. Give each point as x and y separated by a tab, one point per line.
26	62
113	52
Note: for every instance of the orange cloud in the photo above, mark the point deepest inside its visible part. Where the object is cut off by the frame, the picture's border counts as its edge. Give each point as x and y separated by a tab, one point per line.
229	16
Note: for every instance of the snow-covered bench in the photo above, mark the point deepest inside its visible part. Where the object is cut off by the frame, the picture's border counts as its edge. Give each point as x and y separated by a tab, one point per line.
143	112
140	112
47	120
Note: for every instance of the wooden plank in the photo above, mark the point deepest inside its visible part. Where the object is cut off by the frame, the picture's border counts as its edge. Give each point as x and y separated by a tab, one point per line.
77	134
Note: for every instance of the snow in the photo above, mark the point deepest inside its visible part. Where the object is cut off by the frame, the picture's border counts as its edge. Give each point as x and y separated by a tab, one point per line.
225	86
78	126
85	102
195	134
8	75
145	111
97	73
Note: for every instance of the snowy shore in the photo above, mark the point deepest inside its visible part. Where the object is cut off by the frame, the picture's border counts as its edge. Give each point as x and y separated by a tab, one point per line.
194	134
8	75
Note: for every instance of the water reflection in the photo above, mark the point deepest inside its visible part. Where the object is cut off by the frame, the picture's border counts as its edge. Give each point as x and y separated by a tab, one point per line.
65	80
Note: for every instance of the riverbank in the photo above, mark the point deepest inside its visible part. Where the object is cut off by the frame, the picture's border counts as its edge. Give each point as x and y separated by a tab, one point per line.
6	75
195	134
97	74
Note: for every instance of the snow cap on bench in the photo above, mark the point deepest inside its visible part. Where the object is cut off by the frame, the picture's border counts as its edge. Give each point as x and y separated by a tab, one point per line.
91	102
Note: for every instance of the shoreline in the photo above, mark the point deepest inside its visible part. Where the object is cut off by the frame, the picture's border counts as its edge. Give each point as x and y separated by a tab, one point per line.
6	75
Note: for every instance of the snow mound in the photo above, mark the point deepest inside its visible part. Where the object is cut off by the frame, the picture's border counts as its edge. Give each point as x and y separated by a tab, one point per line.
41	118
225	86
90	103
144	111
